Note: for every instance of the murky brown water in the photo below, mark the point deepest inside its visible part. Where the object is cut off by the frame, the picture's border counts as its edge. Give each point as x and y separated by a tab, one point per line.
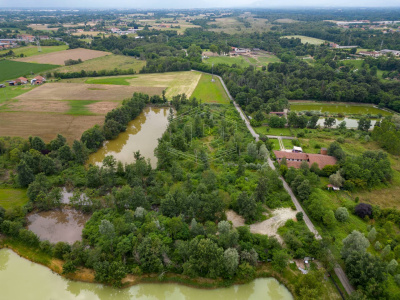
142	134
63	225
22	279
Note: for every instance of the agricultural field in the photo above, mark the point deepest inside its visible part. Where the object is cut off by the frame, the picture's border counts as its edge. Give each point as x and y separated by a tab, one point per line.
336	108
14	69
77	91
42	27
91	33
33	50
285	21
306	39
175	82
59	58
109	62
46	125
210	92
167	21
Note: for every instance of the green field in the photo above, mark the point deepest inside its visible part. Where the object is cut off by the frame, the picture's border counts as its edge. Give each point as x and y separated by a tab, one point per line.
239	60
210	92
11	92
110	80
33	50
337	108
14	69
108	62
79	107
10	198
306	39
265	130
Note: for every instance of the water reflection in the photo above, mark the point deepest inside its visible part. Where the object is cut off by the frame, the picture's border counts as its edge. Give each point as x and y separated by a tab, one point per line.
63	225
350	123
21	279
142	134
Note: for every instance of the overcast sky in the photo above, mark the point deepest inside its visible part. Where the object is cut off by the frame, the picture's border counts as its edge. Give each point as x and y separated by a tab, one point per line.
194	4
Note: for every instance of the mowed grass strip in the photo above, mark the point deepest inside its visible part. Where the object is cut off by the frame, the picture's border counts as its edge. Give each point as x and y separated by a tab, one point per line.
110	80
10	198
210	92
79	107
240	61
13	69
33	50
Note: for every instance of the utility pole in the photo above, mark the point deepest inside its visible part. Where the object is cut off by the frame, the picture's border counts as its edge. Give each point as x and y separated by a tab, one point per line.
38	45
212	73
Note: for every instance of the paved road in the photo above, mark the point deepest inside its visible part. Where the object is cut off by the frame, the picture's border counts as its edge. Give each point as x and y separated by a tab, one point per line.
338	270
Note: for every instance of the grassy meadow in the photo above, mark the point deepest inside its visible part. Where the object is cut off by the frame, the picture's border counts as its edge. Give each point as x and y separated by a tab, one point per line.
109	62
110	80
306	39
33	50
14	69
210	92
10	198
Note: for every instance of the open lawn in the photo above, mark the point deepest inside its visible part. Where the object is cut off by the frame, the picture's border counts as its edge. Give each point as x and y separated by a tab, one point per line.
238	60
10	198
109	62
356	63
306	39
59	58
210	92
14	69
33	50
266	130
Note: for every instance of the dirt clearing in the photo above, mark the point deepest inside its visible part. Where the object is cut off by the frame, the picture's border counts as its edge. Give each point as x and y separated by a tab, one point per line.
78	91
45	125
268	227
59	58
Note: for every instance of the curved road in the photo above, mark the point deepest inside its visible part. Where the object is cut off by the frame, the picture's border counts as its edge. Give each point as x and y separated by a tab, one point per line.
338	269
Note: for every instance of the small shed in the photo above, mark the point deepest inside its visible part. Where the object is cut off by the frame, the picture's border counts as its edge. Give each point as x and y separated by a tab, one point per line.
297	149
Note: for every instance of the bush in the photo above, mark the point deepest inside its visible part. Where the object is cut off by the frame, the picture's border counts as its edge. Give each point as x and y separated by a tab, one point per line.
342	214
363	209
299	216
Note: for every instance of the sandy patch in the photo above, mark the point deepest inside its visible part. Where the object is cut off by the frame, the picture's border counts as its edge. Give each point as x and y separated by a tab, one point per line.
46	125
59	57
268	227
80	91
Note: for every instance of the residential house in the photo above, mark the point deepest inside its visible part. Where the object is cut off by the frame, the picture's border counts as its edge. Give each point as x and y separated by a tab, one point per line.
294	159
38	80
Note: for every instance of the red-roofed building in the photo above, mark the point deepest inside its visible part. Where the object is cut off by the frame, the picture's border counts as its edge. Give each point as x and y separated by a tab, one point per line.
295	159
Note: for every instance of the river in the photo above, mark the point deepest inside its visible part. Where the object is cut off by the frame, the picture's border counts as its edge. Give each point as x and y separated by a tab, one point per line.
22	279
142	135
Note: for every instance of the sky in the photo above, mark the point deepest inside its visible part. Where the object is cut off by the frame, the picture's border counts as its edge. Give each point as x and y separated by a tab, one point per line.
154	4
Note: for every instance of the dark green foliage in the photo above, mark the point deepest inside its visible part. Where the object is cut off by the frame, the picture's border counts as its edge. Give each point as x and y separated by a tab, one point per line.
25	174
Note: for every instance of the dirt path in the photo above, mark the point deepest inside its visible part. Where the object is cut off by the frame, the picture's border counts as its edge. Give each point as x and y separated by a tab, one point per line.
268	227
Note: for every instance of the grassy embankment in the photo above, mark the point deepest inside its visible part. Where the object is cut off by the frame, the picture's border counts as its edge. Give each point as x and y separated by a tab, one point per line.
11	198
14	69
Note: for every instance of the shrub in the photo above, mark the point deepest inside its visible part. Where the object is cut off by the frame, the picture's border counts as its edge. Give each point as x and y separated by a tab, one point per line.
363	209
342	214
299	216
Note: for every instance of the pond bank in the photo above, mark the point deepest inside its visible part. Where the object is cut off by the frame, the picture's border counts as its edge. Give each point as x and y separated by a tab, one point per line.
88	275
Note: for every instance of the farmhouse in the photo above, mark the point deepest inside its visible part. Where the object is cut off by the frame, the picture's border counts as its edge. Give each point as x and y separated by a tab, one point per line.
294	159
372	53
38	80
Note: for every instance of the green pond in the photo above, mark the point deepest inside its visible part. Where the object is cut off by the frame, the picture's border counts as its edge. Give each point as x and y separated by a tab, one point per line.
22	279
142	135
343	108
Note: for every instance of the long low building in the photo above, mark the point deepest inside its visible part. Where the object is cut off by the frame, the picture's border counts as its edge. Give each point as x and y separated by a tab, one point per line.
295	159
